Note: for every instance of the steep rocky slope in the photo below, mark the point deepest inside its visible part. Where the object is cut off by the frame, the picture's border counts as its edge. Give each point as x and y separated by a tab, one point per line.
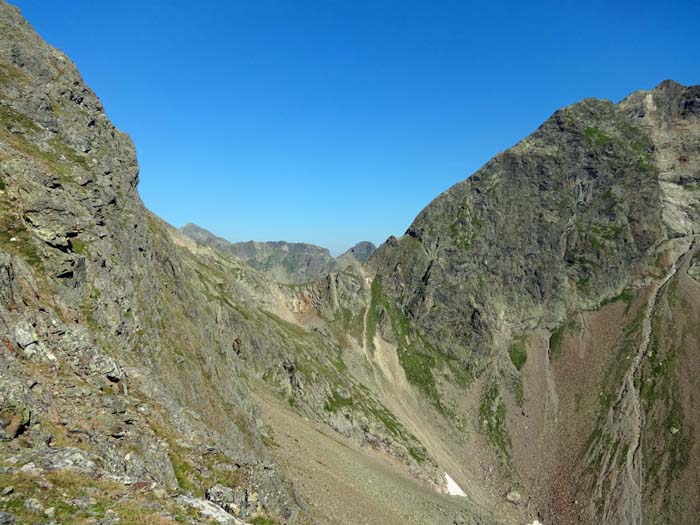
532	338
113	363
598	206
284	262
130	355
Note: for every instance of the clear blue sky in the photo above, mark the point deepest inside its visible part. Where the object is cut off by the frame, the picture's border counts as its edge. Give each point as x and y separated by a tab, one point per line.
336	121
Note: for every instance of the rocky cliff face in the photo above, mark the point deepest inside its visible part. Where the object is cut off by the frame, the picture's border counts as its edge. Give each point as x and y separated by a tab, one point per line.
555	223
532	339
598	205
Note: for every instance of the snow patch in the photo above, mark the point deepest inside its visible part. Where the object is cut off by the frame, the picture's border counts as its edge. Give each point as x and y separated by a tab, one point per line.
536	522
452	488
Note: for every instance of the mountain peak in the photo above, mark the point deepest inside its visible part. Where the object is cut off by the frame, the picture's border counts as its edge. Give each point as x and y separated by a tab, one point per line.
360	252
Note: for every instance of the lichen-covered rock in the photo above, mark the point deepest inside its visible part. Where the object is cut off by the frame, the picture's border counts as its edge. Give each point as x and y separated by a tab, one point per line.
210	510
13	421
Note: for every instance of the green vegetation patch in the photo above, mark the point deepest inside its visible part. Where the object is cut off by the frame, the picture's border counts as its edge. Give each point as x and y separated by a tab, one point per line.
626	296
11	118
195	479
61	150
417	365
519	391
291	328
347	323
79	246
16	239
597	136
584	284
56	155
360	400
418	455
262	521
388	420
661	392
186	475
419	370
417	357
337	402
555	342
656	385
625	349
609	232
410	244
11	74
518	353
465	229
66	487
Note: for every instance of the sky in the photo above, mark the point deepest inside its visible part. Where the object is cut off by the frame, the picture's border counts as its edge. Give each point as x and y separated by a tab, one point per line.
332	122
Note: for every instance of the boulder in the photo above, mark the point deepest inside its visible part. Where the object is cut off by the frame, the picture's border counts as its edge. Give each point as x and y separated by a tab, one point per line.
209	510
514	497
13	421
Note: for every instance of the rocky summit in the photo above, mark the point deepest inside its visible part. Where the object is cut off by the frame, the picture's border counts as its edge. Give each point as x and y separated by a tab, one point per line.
527	352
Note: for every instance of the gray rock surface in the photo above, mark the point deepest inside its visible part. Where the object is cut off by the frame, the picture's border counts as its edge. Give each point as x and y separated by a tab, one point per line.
210	510
557	222
563	222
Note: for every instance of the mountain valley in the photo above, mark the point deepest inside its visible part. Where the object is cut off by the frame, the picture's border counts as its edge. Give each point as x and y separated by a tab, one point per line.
526	352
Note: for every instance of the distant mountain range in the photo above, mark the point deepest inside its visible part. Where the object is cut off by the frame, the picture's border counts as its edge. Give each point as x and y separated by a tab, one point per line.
285	262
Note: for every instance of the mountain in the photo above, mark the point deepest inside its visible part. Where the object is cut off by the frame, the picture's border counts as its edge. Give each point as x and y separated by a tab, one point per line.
284	262
358	253
203	236
117	373
526	351
559	275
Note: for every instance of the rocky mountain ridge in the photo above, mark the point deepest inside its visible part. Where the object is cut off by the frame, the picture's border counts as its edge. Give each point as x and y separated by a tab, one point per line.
543	366
284	262
603	193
